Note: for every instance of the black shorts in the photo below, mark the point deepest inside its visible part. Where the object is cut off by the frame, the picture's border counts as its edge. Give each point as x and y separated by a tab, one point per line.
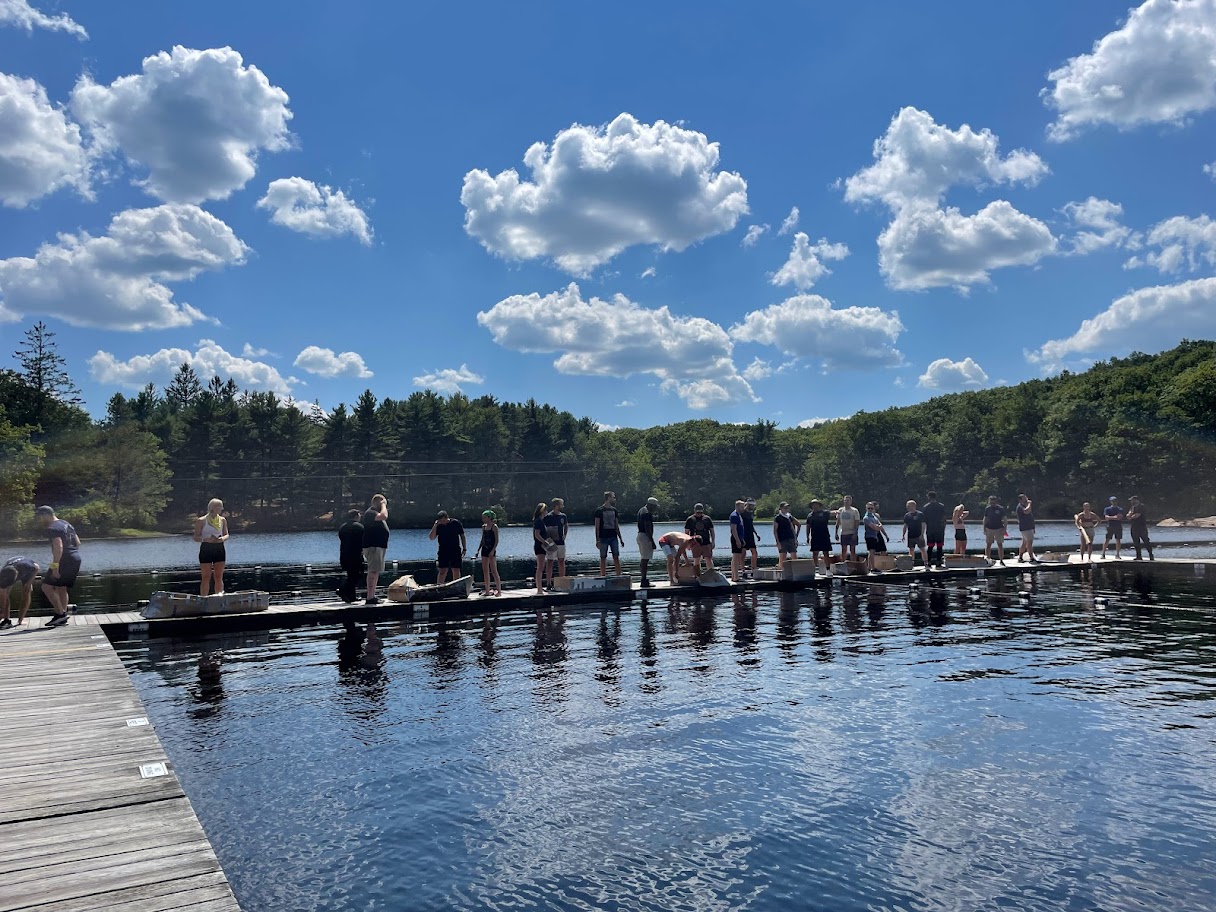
876	546
212	553
936	536
69	567
12	575
1115	531
749	542
960	535
736	548
450	560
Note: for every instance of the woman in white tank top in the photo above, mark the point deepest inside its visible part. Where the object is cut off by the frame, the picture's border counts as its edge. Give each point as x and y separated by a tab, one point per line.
211	531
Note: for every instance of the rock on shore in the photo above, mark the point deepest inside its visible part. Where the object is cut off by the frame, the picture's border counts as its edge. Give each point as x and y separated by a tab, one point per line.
1201	522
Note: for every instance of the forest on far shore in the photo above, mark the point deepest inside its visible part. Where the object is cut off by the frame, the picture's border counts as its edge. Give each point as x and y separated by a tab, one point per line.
1145	425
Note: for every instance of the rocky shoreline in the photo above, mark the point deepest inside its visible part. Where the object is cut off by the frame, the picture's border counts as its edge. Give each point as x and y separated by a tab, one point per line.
1202	522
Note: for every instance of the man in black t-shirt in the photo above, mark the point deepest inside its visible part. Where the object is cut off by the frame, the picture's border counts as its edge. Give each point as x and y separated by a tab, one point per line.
61	572
350	555
1137	525
452	546
608	535
375	543
936	515
701	528
16	570
995	520
646	542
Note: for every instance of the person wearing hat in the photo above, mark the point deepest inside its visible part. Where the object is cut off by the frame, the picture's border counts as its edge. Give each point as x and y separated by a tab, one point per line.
487	550
1114	527
646	542
701	528
64	566
452	546
16	570
785	532
1137	524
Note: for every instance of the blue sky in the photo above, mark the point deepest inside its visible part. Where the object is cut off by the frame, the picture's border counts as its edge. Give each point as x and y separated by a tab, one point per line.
751	211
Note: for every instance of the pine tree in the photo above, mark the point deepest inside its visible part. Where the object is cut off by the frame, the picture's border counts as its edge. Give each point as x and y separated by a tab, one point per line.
183	390
43	368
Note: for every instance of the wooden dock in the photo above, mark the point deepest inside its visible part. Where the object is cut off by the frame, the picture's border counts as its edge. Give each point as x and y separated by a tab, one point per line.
92	817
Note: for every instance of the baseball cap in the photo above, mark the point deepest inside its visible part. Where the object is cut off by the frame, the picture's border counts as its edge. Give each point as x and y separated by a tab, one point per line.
1112	499
784	503
653	501
697	507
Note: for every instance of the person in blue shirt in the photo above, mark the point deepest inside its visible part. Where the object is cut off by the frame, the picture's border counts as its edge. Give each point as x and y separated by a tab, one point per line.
1114	527
738	534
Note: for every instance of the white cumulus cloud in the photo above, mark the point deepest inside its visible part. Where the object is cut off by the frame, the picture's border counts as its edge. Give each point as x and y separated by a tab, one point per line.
196	120
324	363
757	370
1099	225
20	14
314	210
1158	67
1148	319
929	248
1183	244
754	233
944	374
915	163
40	149
117	281
808	326
814	422
691	356
790	222
805	267
597	190
209	359
449	380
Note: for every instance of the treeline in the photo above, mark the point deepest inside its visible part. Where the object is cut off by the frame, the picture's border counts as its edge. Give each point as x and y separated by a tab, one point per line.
1143	424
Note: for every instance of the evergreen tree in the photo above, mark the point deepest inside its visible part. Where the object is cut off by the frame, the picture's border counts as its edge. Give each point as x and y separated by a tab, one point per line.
43	368
183	389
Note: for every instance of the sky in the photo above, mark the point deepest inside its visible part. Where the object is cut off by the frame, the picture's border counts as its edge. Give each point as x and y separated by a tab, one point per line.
641	213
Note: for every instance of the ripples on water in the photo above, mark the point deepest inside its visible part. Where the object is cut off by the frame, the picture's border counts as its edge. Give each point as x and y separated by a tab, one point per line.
857	748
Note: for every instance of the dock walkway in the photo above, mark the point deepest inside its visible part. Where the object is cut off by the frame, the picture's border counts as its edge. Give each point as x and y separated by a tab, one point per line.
92	817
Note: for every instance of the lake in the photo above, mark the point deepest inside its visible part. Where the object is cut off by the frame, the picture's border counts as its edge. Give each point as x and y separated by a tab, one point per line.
855	748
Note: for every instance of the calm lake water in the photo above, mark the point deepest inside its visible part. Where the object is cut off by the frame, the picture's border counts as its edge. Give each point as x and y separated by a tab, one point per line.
124	572
856	748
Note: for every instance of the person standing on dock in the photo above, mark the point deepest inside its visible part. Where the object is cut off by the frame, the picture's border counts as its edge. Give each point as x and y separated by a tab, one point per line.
1114	528
61	572
1025	510
876	535
995	520
750	536
737	534
608	535
211	531
701	528
16	570
914	532
935	529
959	520
848	521
375	543
646	542
350	555
542	544
1137	523
1087	521
817	534
452	546
785	532
556	527
487	550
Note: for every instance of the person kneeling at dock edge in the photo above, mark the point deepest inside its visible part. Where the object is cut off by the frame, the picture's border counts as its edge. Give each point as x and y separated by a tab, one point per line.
16	570
350	556
61	572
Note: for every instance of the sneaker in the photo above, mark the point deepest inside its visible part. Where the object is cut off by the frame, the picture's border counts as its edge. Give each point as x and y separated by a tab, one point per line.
372	601
5	624
57	621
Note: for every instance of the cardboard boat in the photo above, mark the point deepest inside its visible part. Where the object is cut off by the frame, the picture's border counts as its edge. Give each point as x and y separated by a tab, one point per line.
183	604
406	589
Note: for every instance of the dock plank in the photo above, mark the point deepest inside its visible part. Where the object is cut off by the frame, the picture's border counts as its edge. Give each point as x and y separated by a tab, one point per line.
81	828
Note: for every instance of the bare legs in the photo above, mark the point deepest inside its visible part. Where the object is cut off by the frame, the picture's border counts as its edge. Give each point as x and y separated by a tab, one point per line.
489	570
540	573
209	572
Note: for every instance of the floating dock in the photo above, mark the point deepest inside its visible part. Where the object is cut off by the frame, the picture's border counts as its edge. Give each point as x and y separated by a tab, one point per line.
92	817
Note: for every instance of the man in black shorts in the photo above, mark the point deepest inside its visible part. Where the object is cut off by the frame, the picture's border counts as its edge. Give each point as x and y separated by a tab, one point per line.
16	570
935	529
1137	524
350	555
452	546
64	566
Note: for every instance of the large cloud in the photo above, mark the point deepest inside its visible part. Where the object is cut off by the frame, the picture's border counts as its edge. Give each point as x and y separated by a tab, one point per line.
1183	244
20	14
598	190
40	149
208	360
1099	225
1149	319
449	380
915	163
944	374
195	119
117	281
692	356
324	363
805	267
929	247
1159	67
314	210
807	326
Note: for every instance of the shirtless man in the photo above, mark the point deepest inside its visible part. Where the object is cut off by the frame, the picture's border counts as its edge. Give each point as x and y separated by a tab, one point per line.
1087	521
675	546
